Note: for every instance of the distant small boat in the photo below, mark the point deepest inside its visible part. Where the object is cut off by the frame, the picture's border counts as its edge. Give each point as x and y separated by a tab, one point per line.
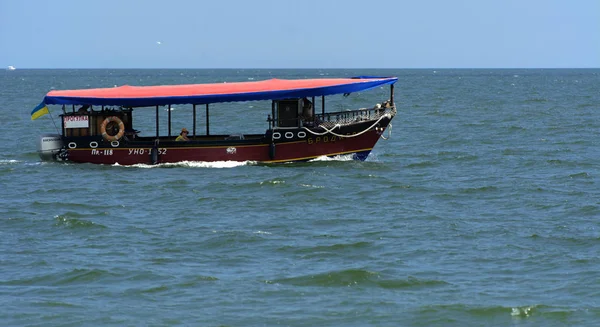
11	68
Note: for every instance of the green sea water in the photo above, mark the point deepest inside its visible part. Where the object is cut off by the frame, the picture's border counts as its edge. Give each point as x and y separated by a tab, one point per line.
482	209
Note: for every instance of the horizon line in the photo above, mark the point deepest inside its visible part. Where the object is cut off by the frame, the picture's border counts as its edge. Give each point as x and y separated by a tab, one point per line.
281	68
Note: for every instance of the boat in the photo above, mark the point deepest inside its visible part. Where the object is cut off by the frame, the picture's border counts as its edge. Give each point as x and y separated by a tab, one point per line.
10	68
97	125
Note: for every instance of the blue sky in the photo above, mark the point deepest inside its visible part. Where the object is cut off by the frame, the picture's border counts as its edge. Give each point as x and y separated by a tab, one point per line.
300	34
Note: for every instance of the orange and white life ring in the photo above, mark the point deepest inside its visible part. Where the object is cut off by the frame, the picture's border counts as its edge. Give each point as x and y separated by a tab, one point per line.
116	137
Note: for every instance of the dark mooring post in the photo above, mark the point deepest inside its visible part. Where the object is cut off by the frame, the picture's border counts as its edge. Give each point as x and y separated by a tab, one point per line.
194	127
207	130
157	121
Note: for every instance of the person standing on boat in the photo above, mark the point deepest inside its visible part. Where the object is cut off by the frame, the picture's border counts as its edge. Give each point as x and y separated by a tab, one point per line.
183	136
307	110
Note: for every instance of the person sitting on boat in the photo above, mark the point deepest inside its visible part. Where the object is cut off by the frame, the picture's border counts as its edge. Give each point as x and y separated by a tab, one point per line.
83	109
183	136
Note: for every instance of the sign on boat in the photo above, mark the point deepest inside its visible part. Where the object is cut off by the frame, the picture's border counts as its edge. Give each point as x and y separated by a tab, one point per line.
96	125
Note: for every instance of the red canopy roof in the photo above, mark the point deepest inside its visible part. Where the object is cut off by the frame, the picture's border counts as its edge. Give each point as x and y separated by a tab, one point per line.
137	96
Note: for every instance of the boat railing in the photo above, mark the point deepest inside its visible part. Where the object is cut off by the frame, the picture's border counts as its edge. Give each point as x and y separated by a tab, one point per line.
331	119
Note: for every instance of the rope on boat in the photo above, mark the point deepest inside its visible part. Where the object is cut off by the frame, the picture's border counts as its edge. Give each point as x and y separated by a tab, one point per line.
389	133
330	131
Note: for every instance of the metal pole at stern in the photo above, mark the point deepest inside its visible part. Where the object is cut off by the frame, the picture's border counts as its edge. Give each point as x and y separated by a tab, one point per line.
157	121
194	128
207	130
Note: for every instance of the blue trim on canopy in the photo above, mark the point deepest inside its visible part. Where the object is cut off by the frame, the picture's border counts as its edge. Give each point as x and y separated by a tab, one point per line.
217	98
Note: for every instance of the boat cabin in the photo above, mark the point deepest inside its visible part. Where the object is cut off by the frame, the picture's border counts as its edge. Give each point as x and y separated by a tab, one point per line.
293	112
88	122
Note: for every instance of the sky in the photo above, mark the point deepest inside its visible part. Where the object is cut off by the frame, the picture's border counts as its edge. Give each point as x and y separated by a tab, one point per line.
300	33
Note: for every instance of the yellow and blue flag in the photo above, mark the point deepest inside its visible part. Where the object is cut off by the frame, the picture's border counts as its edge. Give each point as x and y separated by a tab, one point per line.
39	111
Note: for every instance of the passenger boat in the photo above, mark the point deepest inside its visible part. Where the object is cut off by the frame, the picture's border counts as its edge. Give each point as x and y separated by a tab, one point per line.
97	125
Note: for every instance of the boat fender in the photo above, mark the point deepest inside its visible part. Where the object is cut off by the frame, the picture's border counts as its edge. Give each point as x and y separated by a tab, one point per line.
154	155
272	151
112	137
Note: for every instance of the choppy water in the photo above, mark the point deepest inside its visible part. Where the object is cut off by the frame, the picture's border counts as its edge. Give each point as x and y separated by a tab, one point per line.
482	210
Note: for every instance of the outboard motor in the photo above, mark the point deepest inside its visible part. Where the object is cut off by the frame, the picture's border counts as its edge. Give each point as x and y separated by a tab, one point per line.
49	145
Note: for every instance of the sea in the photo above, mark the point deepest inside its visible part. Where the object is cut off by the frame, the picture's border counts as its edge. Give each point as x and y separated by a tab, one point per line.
482	208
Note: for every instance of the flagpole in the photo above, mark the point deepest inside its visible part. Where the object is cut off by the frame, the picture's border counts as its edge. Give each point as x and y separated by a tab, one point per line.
57	132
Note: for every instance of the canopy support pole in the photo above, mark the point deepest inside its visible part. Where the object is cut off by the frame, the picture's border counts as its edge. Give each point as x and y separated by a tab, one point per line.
314	109
194	128
323	105
392	94
169	120
207	130
157	121
273	112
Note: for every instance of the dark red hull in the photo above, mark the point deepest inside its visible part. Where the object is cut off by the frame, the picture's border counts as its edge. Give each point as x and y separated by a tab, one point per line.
282	152
263	149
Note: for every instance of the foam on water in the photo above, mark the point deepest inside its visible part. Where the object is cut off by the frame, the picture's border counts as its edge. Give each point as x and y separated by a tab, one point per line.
195	164
344	157
8	161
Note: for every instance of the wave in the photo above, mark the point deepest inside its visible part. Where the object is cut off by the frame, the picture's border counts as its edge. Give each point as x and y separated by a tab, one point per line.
272	182
524	311
356	277
57	304
457	155
479	311
196	280
513	128
536	100
423	164
336	247
481	189
64	221
580	175
75	276
586	105
221	239
553	313
149	290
